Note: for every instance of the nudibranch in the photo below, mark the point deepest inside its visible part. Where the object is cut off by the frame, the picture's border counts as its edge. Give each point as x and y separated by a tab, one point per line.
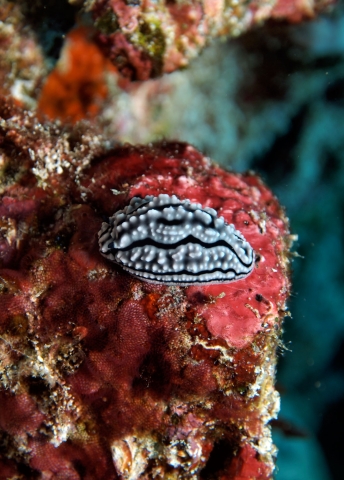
167	240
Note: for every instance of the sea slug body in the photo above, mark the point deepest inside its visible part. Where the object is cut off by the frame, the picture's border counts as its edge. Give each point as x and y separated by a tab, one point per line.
167	240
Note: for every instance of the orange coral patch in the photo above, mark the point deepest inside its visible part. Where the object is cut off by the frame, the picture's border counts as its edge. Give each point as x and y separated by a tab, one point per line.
76	88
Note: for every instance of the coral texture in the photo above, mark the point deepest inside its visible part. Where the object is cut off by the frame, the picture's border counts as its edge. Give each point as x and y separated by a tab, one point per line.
102	375
21	60
145	39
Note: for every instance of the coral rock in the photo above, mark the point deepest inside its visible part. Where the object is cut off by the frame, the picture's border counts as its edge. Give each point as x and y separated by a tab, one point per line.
149	38
22	65
103	375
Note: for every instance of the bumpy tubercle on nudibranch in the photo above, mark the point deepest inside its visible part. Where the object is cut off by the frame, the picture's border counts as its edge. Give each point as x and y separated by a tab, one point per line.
167	240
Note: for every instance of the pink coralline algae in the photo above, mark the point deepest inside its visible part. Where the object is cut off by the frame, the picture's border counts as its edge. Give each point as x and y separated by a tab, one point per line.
146	39
104	376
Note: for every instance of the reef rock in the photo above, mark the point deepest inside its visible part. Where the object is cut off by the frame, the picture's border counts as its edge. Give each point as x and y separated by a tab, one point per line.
146	39
22	65
105	376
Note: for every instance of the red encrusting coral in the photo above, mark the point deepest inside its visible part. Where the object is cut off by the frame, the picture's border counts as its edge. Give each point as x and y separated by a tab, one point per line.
110	377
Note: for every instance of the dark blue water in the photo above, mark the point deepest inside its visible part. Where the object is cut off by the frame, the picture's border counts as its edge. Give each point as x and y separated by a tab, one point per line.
305	167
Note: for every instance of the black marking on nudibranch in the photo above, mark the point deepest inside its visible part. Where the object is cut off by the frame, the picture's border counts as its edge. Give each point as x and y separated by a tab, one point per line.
167	240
